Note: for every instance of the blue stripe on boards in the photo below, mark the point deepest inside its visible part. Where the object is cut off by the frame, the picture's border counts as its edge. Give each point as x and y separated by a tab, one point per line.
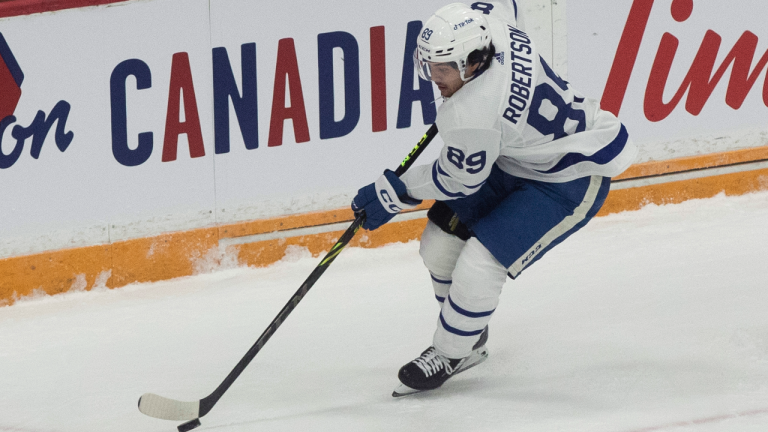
456	331
601	157
437	170
467	313
447	282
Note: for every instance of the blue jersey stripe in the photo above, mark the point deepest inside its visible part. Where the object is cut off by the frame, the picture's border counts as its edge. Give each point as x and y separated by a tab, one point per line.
467	313
436	170
10	61
602	157
441	171
514	3
456	331
475	186
440	299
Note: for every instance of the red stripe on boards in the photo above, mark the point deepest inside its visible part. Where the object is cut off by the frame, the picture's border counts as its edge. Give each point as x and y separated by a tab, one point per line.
378	79
29	7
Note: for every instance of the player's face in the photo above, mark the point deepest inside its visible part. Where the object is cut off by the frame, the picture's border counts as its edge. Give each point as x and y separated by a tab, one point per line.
447	78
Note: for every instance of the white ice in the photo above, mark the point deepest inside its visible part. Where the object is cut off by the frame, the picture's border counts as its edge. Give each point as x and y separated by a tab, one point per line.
655	320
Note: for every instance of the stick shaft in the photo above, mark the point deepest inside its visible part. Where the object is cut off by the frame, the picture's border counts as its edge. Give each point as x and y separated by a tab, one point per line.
209	401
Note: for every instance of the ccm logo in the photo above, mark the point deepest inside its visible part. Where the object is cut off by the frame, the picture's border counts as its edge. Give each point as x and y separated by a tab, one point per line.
388	202
531	255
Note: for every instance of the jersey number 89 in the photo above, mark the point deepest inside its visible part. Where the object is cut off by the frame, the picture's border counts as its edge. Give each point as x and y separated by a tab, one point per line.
567	120
475	162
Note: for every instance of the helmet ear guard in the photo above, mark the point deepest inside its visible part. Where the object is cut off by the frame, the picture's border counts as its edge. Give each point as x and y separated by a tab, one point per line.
450	35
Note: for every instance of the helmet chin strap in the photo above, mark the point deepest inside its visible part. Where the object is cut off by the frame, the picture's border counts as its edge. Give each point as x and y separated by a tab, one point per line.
463	71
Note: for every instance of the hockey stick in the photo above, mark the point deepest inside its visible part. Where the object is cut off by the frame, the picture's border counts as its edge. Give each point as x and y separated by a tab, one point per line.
171	409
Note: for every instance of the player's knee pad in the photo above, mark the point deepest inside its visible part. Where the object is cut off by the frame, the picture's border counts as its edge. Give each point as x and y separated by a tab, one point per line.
439	251
478	277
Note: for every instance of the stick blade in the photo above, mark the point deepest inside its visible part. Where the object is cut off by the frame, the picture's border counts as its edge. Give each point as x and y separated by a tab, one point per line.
168	409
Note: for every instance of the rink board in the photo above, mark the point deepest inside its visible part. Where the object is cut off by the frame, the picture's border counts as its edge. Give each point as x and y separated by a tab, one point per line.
133	170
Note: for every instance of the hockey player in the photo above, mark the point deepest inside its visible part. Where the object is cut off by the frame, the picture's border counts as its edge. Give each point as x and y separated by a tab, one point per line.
527	162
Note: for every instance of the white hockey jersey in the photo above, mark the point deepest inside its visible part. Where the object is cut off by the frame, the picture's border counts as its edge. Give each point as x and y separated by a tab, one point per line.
521	116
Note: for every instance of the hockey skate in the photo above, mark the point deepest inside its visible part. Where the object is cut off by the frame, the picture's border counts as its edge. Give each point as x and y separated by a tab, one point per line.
430	370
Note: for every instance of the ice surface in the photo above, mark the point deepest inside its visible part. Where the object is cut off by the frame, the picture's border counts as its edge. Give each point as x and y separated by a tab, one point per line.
655	320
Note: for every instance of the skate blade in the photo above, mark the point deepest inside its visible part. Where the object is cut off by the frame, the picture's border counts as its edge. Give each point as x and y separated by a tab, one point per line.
404	390
478	356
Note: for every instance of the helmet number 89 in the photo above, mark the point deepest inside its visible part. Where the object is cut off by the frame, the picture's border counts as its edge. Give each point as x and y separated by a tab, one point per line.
426	34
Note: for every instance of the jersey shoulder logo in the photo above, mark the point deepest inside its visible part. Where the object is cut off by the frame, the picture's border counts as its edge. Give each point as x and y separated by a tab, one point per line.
499	58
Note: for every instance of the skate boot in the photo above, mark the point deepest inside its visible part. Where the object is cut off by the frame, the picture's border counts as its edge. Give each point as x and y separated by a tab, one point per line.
430	370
